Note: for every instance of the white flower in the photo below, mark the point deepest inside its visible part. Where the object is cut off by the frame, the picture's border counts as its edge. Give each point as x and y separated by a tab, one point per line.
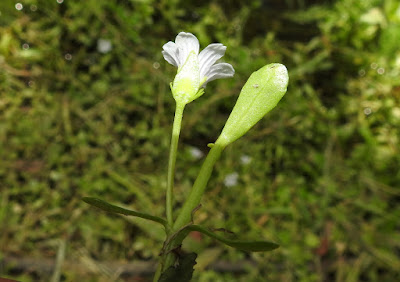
194	70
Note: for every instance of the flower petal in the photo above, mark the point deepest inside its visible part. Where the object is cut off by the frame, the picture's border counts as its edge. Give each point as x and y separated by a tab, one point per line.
171	53
221	70
209	56
186	43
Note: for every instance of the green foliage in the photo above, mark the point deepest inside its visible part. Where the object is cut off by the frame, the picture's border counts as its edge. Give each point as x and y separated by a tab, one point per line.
247	246
319	174
118	210
183	272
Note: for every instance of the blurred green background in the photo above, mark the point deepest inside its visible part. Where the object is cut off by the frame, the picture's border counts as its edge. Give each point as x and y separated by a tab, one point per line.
86	110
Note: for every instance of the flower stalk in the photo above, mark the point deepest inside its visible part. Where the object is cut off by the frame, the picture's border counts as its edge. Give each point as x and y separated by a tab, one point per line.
194	72
199	187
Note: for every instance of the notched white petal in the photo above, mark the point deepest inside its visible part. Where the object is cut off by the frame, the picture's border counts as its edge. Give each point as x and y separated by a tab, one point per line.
209	56
169	58
171	53
186	43
221	70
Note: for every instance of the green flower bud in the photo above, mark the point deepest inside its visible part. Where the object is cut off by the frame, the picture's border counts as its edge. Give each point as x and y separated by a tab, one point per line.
259	95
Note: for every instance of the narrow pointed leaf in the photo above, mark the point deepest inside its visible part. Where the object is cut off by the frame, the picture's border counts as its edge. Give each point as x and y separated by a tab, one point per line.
115	209
249	246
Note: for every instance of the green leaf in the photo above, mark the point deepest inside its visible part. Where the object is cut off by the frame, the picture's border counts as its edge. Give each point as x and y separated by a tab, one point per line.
181	273
115	209
249	246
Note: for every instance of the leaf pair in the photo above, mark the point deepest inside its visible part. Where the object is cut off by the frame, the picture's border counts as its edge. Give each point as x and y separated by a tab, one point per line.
248	246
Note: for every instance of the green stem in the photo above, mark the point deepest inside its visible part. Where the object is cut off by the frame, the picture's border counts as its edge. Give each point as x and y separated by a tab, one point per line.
185	215
199	187
158	272
172	160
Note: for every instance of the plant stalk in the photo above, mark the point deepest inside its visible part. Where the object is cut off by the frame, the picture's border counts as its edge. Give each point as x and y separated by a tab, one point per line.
199	186
176	128
185	215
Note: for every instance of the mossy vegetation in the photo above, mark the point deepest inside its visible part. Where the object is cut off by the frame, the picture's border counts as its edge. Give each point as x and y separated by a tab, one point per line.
86	110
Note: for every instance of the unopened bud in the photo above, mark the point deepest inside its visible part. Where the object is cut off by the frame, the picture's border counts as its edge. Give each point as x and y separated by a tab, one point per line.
259	95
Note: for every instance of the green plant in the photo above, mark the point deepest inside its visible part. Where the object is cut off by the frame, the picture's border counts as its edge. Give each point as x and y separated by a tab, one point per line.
260	94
